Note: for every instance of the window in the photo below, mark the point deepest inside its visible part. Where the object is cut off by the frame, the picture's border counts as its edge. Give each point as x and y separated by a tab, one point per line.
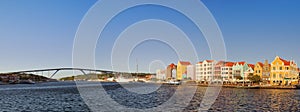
280	76
280	68
287	68
274	68
274	76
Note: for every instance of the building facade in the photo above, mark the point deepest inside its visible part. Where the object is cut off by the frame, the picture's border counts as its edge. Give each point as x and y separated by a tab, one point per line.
263	71
191	72
161	74
227	73
258	69
283	72
218	70
205	70
171	71
239	69
249	71
182	70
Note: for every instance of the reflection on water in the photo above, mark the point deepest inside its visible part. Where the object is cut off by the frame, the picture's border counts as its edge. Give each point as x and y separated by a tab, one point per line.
63	96
257	100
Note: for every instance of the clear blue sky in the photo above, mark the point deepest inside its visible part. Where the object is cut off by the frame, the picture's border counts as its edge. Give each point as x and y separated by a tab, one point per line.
39	33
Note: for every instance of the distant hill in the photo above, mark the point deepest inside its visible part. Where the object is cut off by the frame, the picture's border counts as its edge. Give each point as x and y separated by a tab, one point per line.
105	76
16	77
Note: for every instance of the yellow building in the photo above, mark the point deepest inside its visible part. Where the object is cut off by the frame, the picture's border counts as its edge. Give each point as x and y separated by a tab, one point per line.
182	70
258	69
283	72
263	71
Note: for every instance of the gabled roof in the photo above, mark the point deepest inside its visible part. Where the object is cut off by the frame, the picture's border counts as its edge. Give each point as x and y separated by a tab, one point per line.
172	65
260	64
251	65
285	61
221	63
209	61
229	64
184	63
241	63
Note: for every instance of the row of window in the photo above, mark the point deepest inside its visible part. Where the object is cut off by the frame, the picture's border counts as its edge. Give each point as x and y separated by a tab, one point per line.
257	71
226	72
280	76
205	69
281	68
205	73
275	75
226	68
206	64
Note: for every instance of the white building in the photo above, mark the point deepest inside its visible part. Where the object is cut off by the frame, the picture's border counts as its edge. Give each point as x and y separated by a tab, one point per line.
226	71
205	70
161	74
191	72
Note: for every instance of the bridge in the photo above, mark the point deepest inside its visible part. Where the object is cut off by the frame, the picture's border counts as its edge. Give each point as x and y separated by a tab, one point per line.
56	70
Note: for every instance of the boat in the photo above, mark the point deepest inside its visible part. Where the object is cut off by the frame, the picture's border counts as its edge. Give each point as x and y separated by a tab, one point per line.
174	82
121	79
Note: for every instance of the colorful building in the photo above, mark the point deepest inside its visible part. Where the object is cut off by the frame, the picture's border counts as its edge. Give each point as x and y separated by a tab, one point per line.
227	73
258	69
218	70
283	72
182	70
205	70
263	71
191	72
161	74
239	69
249	71
171	71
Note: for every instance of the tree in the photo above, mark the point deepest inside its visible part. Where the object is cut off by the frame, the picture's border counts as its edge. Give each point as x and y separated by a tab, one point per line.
255	78
239	77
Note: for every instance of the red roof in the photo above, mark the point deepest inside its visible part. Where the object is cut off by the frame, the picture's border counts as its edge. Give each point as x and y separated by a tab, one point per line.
209	61
251	65
285	61
221	63
241	63
200	62
172	65
229	64
260	64
184	63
